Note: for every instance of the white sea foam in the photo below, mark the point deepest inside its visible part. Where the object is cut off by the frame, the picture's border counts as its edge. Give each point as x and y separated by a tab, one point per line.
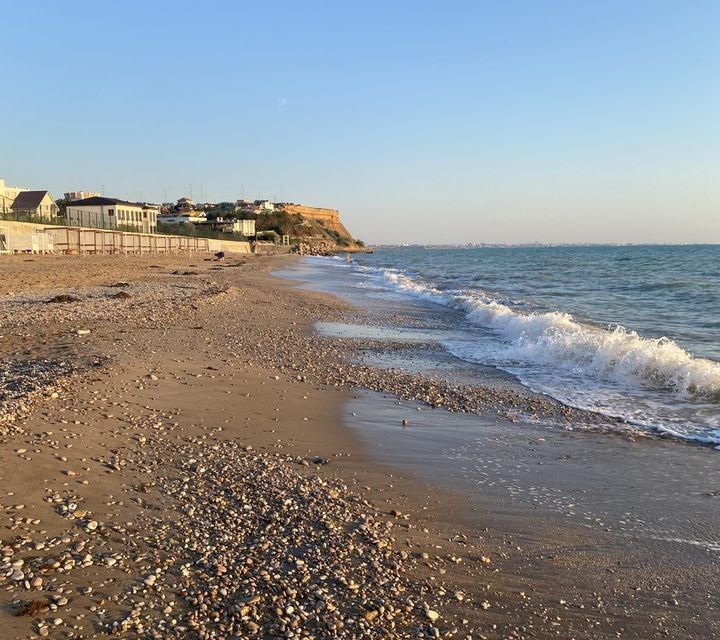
616	354
653	384
556	339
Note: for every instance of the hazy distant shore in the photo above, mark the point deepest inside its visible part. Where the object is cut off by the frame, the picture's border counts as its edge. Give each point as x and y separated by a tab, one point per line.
189	475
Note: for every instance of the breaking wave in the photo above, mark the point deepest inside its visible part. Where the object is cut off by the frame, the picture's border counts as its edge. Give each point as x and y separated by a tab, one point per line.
554	338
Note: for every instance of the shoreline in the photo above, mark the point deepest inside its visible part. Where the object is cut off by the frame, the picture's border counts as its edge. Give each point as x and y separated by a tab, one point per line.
236	351
517	402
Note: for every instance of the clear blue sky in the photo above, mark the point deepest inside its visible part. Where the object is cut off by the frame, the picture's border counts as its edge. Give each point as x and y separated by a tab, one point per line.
505	121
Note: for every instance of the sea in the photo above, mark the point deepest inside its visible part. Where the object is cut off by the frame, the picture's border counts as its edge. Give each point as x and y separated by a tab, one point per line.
629	332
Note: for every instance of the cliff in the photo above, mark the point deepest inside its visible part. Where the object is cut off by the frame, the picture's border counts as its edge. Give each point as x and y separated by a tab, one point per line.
328	218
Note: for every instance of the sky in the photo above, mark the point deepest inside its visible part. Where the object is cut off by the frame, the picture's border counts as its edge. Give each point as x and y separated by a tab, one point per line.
422	122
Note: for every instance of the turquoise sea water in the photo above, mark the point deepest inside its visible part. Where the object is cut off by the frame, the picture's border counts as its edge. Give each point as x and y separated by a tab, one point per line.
628	331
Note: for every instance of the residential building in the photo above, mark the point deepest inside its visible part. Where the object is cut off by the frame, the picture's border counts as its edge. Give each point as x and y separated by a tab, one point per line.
112	213
243	227
8	195
187	217
197	218
35	204
258	207
150	215
185	204
81	195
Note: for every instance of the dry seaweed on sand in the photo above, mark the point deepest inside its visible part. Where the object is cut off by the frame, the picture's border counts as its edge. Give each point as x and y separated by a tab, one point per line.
63	297
32	608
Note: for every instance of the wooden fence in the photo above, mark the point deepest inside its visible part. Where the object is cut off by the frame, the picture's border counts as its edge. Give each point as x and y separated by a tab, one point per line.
76	240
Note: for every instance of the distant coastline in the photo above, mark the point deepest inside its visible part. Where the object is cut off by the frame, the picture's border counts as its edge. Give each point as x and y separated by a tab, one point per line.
502	245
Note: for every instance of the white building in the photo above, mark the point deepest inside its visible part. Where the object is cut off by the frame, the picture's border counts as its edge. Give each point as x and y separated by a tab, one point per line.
231	225
189	217
81	195
243	227
111	213
258	206
8	195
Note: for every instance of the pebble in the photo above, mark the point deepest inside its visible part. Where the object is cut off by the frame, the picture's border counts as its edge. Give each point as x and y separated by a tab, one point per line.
252	544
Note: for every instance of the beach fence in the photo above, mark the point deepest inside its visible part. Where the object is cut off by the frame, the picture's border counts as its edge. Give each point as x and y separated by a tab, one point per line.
25	237
83	241
25	241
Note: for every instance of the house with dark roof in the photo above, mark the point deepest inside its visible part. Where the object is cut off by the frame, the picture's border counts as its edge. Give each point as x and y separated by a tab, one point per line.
35	204
112	213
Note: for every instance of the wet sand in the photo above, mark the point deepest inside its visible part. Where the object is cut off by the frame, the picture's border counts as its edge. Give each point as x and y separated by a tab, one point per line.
210	375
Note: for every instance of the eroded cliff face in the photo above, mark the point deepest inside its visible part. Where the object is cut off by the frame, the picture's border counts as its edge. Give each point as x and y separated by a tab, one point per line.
330	218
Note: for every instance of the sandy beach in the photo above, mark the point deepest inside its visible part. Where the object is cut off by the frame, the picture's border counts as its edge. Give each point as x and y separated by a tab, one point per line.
177	463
